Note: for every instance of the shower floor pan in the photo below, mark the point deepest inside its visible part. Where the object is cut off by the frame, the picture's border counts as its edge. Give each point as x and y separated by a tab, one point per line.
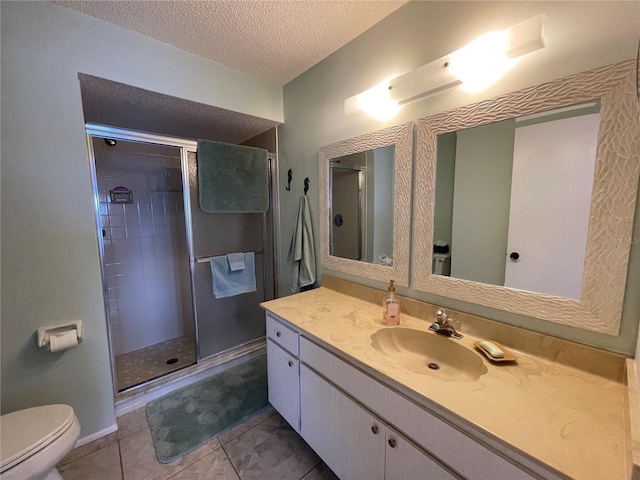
151	362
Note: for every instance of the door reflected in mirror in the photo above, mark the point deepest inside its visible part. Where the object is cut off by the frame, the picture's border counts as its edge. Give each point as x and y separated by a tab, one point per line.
361	206
512	200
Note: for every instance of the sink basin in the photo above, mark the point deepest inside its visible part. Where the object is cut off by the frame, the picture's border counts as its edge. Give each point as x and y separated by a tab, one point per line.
427	353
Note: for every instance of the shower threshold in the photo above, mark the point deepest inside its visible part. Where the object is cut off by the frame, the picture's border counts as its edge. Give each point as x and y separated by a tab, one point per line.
138	396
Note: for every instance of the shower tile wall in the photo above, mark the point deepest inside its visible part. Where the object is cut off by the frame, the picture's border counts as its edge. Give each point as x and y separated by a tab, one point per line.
146	258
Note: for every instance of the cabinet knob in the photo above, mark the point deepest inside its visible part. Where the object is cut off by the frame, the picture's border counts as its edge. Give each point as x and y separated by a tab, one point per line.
290	363
392	443
277	334
374	429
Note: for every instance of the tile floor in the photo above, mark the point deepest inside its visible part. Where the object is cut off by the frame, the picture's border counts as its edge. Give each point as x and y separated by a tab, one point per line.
263	447
148	363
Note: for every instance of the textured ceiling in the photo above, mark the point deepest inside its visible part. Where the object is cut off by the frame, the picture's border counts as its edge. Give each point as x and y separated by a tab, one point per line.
272	40
118	105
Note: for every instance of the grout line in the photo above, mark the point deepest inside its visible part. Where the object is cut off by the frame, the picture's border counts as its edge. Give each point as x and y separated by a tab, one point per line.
312	469
229	458
190	465
222	446
120	458
249	429
116	438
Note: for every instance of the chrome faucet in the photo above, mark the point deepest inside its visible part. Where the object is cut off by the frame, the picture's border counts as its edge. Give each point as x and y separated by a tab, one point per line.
442	325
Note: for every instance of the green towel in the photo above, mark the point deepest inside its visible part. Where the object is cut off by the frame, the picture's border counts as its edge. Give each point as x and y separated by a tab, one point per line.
232	178
302	253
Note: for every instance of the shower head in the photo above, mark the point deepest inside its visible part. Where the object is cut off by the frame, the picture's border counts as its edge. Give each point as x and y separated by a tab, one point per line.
110	141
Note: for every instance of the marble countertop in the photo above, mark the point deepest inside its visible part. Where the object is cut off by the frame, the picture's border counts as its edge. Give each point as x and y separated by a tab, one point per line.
567	419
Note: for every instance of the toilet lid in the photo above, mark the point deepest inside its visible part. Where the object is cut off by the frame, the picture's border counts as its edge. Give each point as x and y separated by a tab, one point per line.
25	432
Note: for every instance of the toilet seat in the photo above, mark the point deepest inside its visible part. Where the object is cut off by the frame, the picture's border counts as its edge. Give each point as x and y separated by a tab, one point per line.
26	432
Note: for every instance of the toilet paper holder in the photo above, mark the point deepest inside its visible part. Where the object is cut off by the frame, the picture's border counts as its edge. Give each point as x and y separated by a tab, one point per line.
45	333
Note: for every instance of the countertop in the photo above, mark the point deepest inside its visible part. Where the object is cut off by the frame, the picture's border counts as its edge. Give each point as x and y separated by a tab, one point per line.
562	417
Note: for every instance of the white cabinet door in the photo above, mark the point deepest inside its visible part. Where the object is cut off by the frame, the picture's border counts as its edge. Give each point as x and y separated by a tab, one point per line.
284	383
406	462
349	439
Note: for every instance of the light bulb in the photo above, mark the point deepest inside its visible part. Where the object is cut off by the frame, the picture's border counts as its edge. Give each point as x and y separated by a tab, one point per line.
377	102
482	62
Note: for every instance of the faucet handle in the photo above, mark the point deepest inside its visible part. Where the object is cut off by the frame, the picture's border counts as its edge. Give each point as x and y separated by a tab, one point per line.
441	315
455	323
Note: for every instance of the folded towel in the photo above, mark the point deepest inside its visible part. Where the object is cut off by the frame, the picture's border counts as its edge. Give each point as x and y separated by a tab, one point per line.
232	178
302	251
236	261
386	260
227	283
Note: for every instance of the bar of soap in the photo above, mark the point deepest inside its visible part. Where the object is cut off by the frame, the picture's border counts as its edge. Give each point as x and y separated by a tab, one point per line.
491	349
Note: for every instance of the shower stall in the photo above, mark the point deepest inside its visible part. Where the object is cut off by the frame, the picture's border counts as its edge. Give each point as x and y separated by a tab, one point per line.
155	244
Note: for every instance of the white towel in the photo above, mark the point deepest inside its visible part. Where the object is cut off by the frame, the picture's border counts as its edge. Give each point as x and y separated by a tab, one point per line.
302	251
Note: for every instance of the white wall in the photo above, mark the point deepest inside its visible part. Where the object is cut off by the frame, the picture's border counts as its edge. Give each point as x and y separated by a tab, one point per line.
579	36
50	266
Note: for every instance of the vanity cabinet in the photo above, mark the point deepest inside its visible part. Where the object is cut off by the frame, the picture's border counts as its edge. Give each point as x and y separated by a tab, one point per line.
338	408
283	371
353	442
348	438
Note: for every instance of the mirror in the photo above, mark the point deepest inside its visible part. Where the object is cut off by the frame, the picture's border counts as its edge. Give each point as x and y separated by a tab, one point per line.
361	206
613	192
512	200
365	204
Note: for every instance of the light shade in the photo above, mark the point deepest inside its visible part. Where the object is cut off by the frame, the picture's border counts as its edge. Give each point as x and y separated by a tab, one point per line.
376	102
426	80
475	66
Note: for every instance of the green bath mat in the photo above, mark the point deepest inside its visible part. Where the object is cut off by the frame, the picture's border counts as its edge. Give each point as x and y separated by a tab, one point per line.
187	418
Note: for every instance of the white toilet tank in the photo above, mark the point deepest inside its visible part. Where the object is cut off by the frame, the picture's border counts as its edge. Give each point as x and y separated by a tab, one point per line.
33	440
442	263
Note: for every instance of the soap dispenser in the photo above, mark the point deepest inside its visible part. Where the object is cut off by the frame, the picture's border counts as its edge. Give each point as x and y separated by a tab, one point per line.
391	307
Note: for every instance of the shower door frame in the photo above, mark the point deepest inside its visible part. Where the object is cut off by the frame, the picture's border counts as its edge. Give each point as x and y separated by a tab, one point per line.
186	146
362	206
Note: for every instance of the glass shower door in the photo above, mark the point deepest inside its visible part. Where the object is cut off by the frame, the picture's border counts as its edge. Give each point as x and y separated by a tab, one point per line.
224	323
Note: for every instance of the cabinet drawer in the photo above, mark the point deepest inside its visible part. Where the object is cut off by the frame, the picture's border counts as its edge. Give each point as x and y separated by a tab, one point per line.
282	335
462	453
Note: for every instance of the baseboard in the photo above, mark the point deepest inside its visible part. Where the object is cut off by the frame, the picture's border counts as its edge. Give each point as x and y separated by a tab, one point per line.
95	436
140	400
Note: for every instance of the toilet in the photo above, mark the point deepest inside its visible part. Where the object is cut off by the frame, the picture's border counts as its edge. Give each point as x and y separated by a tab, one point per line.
442	264
34	440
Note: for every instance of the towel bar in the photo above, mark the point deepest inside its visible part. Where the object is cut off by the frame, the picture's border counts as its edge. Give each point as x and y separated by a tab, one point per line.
206	259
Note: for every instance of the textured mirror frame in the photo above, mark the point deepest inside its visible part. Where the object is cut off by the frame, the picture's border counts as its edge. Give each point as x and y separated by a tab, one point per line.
613	198
401	136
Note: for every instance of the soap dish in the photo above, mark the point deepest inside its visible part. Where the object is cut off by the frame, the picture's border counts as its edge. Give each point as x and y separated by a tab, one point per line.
509	356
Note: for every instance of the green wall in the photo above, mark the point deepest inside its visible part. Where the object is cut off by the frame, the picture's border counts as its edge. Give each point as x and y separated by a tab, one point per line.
50	264
445	184
579	36
481	201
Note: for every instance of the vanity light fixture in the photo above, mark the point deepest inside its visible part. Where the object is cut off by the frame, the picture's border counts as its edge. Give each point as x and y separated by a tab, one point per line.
376	102
475	67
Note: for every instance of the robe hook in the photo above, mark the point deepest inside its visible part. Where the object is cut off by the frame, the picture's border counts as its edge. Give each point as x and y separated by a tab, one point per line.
306	185
290	175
